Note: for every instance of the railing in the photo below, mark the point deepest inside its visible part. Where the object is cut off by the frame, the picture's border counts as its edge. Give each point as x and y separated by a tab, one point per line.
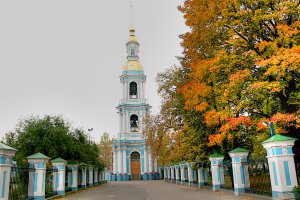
68	187
259	176
297	166
18	188
228	175
133	101
258	169
49	183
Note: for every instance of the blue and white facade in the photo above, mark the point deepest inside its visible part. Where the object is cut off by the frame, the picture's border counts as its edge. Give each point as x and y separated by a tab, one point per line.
130	145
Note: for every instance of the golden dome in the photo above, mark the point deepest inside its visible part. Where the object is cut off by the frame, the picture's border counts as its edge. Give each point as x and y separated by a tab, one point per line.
133	65
132	38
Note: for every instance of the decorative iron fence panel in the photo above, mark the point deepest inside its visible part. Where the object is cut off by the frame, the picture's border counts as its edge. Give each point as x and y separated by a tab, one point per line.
297	166
260	182
228	175
49	192
68	178
19	178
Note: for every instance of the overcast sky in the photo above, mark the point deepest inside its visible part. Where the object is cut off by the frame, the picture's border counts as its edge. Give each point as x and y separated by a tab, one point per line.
65	57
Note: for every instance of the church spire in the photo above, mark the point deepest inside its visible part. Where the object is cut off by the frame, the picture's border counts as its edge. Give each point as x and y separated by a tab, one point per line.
132	36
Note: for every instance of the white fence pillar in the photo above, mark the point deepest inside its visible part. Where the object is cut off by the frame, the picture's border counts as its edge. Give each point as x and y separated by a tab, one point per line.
240	170
6	153
281	165
73	177
217	171
59	164
37	176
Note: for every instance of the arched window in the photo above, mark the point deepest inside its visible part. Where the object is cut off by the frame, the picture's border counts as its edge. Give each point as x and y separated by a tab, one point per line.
132	52
133	90
134	123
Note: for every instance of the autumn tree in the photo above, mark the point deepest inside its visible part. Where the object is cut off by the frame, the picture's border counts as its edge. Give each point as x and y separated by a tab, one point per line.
244	59
105	149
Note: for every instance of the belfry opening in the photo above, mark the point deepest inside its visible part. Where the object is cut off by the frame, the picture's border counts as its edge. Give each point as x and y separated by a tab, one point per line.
134	123
133	90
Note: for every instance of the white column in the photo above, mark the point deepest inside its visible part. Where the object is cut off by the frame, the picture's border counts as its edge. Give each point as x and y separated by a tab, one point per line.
146	160
127	89
155	165
119	161
120	121
124	162
123	88
114	161
143	89
124	122
150	163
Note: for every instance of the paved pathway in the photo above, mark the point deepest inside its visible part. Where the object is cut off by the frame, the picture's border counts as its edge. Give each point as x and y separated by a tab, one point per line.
152	190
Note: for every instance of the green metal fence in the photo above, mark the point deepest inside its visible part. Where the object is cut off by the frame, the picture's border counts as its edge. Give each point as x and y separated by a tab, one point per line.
18	188
49	183
260	182
228	175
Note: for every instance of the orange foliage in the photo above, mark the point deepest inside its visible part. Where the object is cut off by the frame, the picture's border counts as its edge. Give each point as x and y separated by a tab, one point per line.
211	118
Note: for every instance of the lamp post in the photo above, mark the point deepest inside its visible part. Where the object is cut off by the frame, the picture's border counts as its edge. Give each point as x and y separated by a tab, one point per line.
271	125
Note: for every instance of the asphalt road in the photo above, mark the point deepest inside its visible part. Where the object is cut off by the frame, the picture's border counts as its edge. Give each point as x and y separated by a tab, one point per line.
152	190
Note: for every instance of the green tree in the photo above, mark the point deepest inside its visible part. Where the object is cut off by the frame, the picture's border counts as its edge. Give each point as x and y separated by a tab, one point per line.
54	137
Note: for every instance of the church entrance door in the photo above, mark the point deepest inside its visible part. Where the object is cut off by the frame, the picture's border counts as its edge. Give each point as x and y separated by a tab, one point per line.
135	165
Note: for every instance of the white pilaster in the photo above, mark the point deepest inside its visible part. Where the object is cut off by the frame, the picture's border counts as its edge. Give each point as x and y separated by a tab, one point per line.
119	161
150	164
124	162
114	161
146	160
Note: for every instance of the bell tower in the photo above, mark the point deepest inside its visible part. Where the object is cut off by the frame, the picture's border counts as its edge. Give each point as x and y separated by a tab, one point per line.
133	106
132	159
